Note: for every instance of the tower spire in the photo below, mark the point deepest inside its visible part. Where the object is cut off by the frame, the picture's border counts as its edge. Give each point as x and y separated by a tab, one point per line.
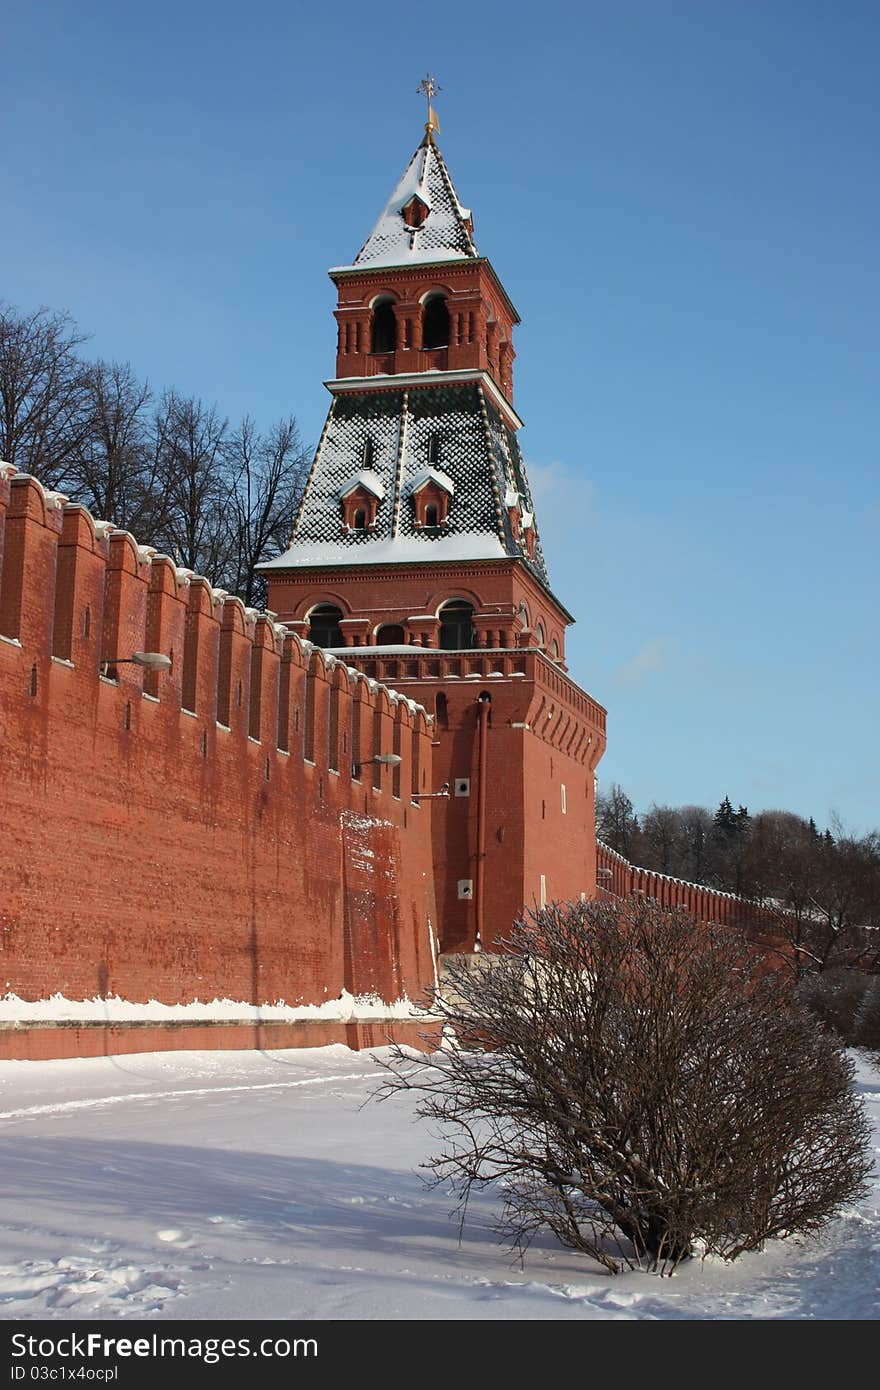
428	88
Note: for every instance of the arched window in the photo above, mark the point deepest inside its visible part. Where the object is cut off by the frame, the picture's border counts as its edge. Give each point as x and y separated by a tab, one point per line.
456	626
554	649
390	635
431	515
540	635
435	325
384	334
324	629
360	519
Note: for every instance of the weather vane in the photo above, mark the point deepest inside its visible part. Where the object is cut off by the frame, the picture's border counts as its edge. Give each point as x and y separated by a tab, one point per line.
428	88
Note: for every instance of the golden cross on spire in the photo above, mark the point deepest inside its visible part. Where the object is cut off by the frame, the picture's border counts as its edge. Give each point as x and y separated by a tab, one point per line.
428	88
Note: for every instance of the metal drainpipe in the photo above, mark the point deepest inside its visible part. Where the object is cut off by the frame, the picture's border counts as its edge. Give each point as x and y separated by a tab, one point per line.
484	704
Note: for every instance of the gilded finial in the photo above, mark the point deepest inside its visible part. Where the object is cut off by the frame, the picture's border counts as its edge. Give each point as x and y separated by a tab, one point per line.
428	88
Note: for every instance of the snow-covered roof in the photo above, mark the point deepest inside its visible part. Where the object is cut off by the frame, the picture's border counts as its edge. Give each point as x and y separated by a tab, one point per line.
432	475
400	550
446	233
481	462
365	479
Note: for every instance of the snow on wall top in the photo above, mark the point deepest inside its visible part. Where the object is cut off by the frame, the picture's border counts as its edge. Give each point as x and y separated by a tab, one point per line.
446	233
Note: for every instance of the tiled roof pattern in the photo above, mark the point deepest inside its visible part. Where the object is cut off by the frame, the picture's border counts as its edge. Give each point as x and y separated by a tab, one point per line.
505	446
352	421
445	234
471	445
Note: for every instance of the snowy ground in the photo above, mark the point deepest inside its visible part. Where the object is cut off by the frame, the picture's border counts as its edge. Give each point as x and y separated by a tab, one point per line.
253	1185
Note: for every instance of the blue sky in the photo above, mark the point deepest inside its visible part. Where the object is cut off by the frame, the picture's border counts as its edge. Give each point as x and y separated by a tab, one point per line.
681	197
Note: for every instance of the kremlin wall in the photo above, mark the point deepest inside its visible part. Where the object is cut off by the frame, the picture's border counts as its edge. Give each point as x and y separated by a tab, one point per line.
195	833
322	801
198	833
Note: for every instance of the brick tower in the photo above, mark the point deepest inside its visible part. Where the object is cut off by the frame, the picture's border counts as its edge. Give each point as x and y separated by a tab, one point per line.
416	557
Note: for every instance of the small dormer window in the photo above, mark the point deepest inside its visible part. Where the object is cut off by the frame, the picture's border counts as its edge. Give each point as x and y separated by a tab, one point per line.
415	212
432	492
360	499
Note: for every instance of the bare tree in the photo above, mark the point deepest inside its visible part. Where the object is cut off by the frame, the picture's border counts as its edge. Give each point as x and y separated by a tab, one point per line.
43	393
115	471
662	839
266	475
616	822
196	528
696	829
640	1085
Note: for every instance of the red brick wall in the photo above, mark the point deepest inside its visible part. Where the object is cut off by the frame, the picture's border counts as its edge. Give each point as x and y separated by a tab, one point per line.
617	878
157	851
545	733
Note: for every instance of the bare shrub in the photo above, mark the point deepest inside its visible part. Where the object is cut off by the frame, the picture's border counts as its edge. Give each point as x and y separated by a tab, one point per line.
866	1025
640	1085
834	998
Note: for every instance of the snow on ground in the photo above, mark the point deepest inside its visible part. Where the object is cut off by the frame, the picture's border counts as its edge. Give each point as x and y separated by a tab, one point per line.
115	1010
214	1185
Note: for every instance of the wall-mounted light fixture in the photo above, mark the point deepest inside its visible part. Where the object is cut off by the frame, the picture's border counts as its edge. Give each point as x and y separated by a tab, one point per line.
383	759
151	661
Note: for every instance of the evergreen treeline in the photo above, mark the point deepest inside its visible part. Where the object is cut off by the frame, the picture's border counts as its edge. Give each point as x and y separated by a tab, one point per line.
825	885
218	498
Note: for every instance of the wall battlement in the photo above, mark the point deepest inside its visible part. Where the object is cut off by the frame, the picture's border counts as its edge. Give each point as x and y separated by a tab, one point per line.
618	878
205	831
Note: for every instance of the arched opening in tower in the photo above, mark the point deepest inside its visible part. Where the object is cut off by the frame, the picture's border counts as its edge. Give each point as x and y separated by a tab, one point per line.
324	629
457	626
384	330
435	325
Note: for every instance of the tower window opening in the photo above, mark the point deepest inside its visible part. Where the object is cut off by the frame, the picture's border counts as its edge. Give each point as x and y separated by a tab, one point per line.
390	635
431	515
435	326
457	626
324	629
360	519
434	447
384	330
